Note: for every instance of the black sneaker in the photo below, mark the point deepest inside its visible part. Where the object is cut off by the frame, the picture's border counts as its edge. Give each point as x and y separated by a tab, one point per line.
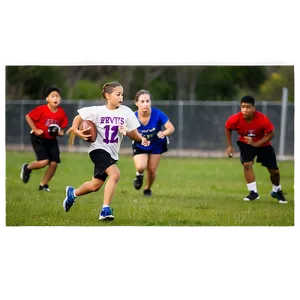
279	196
25	173
252	196
138	181
44	188
147	192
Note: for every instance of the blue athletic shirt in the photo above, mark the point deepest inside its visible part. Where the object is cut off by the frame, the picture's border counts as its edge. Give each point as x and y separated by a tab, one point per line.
150	130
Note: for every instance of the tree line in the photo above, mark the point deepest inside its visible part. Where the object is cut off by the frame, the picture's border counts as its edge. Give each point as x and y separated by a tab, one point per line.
163	82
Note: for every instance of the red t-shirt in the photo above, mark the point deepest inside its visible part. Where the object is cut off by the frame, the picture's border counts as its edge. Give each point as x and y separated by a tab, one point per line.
257	128
42	117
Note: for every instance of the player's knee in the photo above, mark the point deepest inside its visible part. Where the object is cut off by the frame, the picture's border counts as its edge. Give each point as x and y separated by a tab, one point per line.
140	169
247	165
274	172
43	163
151	170
115	176
53	164
95	186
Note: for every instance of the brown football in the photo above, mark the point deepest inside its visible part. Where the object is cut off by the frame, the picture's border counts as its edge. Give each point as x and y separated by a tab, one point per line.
89	128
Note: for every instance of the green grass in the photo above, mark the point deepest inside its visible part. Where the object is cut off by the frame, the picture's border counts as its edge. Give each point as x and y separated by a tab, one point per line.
187	192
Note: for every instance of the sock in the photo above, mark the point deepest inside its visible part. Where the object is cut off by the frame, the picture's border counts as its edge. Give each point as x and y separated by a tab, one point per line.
105	205
74	194
139	174
252	186
276	188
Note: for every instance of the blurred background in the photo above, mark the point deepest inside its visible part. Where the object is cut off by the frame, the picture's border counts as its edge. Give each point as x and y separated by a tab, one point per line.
197	99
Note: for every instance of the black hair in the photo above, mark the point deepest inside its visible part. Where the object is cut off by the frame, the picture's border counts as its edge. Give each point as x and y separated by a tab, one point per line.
248	99
52	89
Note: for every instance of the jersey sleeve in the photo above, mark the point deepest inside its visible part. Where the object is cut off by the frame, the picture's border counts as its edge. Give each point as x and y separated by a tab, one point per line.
132	120
267	124
35	114
65	120
163	118
229	124
88	113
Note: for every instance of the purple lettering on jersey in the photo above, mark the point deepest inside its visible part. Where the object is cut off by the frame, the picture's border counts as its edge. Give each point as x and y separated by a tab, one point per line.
113	137
112	120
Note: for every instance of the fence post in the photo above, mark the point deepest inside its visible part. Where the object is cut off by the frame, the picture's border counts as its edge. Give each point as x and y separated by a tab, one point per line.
180	126
22	112
283	123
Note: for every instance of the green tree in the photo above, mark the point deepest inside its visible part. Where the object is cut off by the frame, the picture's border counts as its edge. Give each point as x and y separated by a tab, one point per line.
85	89
30	82
282	76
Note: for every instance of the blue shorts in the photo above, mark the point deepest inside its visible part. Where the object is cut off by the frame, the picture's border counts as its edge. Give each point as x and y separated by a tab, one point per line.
159	149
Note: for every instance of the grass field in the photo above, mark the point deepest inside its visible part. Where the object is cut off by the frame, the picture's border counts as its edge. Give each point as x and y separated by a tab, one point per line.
187	192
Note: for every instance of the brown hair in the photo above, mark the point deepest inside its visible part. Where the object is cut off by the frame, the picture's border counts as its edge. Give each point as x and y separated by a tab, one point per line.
108	88
139	93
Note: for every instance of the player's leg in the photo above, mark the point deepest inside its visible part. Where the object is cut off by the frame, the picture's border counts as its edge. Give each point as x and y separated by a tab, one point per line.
54	158
41	161
87	187
247	154
267	158
153	163
140	163
102	162
113	173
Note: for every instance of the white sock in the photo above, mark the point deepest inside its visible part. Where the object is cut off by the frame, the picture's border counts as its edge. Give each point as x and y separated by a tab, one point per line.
74	194
105	205
139	174
276	188
252	186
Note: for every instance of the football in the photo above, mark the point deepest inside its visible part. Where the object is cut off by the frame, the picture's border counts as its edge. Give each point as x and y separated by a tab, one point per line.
89	127
53	129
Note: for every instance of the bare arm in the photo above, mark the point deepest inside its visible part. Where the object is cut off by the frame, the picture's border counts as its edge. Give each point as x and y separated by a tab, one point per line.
169	129
136	136
74	128
31	124
262	141
228	134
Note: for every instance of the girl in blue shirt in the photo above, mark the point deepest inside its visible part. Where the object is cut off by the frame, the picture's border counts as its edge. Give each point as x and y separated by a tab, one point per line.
152	121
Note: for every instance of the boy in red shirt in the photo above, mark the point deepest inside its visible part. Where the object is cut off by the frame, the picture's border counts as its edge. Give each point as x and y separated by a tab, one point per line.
46	122
255	133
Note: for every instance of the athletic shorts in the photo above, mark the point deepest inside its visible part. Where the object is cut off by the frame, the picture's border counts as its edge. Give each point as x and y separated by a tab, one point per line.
159	149
45	148
102	160
265	155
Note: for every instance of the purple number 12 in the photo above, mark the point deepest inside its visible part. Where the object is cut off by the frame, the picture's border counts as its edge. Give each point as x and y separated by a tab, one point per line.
113	135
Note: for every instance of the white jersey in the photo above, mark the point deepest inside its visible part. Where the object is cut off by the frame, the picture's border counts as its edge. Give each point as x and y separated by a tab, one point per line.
107	122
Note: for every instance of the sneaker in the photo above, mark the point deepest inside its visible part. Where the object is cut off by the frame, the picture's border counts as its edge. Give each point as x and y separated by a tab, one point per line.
25	173
70	199
279	196
252	196
138	181
106	214
44	188
147	192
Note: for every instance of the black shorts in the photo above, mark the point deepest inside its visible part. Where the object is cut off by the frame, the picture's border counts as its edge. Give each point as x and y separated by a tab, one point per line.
159	149
102	160
265	155
45	148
